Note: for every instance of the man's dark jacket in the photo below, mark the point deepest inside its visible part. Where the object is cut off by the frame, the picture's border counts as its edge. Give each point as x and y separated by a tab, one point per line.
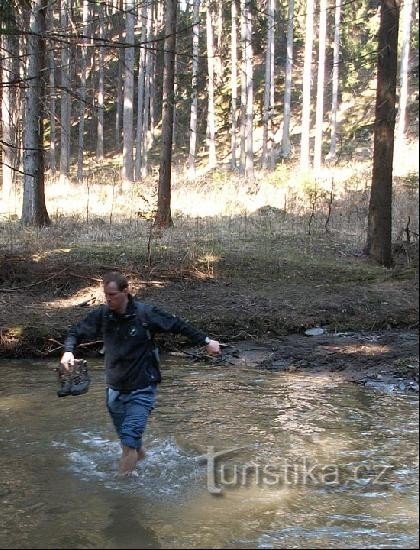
130	356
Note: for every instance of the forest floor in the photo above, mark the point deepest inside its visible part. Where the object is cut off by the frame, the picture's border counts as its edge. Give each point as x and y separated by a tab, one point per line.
257	298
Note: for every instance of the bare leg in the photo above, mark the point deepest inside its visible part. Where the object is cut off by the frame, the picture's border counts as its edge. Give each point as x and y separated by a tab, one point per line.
140	453
128	461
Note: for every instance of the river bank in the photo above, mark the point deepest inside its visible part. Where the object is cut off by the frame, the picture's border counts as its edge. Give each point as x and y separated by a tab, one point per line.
260	289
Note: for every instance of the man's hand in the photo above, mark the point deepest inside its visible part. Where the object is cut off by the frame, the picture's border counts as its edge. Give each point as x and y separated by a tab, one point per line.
213	347
67	360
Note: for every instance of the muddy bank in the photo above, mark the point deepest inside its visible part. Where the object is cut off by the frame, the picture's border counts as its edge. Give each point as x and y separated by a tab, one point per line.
383	361
258	305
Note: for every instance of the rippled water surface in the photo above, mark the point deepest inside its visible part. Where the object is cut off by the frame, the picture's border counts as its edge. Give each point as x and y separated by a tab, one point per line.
304	462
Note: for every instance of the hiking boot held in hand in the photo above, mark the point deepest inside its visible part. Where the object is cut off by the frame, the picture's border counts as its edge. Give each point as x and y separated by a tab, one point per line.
81	378
73	380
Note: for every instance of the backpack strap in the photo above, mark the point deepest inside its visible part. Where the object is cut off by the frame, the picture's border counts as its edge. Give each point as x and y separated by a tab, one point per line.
140	311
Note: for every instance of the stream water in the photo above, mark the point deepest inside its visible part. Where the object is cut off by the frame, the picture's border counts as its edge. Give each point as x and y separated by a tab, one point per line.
236	458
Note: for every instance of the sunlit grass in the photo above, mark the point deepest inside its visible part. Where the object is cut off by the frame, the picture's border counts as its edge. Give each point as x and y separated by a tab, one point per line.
100	219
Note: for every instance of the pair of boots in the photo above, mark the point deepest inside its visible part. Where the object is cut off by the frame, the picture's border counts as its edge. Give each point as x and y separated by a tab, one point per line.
75	380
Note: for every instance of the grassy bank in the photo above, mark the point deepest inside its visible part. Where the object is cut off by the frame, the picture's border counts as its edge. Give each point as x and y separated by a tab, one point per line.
240	263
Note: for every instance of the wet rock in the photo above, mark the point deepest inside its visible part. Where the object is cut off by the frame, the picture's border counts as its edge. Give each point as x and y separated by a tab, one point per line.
380	386
316	331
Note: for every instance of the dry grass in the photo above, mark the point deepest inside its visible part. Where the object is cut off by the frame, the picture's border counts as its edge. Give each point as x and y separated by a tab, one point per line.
336	200
239	264
291	225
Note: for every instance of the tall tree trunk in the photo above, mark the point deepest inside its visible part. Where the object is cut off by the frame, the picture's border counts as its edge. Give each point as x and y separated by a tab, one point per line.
120	89
83	73
163	214
406	12
52	164
211	124
65	117
234	84
10	100
249	139
219	28
285	140
34	211
141	88
306	93
194	87
17	98
379	237
335	80
218	40
147	96
267	154
242	19
128	165
8	144
100	97
174	121
319	112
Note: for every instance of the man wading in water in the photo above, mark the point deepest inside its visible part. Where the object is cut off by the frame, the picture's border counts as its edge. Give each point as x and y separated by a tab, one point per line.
127	327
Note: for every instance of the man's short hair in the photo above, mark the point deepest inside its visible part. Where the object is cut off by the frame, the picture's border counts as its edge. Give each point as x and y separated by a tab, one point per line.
115	277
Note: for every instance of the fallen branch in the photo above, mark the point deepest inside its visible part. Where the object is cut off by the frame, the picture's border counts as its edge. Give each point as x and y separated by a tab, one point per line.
96	279
87	344
55	342
17	288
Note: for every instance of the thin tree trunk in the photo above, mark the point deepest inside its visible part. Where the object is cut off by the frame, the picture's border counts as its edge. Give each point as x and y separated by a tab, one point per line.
379	238
120	88
285	140
141	85
52	160
174	121
65	97
52	95
249	139
194	87
155	77
8	143
319	112
128	165
83	73
17	98
218	40
267	154
335	81
153	97
306	93
406	14
100	98
211	124
34	211
242	18
234	84
163	214
147	96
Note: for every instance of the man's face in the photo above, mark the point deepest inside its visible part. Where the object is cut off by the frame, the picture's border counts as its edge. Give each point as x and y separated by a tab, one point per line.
116	299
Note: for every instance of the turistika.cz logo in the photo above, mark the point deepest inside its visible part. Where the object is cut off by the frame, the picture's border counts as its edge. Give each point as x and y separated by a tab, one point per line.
222	474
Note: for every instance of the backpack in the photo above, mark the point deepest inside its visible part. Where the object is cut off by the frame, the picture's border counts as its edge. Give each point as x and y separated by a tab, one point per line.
140	313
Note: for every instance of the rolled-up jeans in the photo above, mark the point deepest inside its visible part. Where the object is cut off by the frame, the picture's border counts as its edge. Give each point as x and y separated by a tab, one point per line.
129	412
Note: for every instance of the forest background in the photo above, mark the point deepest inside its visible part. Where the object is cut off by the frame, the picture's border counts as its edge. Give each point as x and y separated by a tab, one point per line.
222	154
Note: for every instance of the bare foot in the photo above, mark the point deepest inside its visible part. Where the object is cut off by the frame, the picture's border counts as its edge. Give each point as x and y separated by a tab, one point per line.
128	461
126	475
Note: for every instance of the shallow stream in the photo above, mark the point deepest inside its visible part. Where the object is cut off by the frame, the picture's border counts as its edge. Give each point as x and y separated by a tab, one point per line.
236	458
